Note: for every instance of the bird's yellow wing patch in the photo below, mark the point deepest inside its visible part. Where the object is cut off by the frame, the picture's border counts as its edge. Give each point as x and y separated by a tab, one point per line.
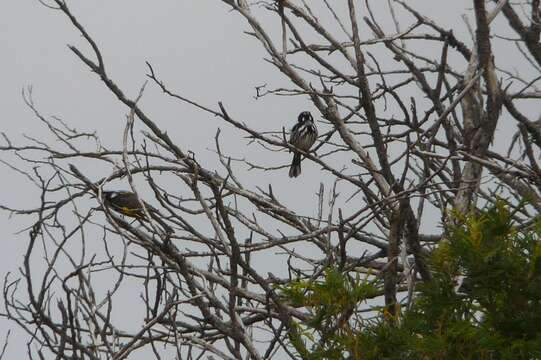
129	212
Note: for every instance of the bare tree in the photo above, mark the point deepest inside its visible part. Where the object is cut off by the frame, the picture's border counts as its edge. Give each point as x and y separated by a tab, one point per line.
404	133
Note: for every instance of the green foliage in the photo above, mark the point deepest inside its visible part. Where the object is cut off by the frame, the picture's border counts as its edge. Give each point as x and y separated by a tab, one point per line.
496	315
331	300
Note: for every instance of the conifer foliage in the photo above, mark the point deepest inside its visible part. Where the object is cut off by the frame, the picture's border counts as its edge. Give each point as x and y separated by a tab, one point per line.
494	314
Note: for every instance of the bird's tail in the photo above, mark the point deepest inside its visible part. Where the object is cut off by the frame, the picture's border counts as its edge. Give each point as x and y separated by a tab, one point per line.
295	169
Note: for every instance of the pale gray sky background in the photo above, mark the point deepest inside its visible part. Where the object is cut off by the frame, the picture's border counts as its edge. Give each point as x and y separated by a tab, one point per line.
199	49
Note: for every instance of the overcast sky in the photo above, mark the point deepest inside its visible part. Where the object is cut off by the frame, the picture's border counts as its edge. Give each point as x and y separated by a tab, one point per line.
197	47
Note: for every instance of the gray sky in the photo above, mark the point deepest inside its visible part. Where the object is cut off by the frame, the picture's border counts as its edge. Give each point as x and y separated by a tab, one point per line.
197	47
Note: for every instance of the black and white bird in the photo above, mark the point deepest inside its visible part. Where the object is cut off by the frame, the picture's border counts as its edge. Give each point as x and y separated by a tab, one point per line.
303	136
127	203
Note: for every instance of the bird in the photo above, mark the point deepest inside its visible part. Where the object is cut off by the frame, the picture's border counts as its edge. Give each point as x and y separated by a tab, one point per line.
127	203
303	136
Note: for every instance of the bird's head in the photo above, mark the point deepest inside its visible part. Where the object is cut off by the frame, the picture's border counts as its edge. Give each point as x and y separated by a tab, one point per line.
107	196
305	116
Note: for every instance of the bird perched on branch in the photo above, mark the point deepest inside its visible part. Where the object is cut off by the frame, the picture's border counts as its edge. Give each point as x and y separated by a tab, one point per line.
303	136
127	203
123	202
